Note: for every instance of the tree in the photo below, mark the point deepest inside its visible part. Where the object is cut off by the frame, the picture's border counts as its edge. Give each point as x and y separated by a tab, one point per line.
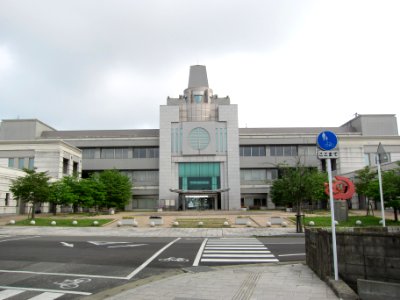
73	184
391	190
297	185
118	188
62	192
95	192
32	188
364	177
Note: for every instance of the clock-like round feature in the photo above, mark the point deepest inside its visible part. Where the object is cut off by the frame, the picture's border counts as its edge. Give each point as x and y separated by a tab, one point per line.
199	138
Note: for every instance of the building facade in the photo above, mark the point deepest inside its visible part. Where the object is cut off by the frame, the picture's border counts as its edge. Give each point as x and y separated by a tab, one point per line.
22	147
199	158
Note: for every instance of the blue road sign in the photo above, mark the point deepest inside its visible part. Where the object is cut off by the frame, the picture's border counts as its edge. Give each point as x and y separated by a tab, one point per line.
327	140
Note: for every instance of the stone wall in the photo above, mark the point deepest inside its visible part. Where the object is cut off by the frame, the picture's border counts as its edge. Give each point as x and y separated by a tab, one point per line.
363	253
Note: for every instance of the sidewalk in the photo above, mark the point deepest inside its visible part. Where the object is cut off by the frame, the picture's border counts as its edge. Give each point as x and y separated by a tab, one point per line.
147	232
278	282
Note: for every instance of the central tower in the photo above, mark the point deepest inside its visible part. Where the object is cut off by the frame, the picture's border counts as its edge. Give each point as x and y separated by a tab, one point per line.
199	148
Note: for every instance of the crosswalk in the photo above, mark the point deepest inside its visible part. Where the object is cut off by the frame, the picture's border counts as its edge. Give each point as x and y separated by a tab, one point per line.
236	250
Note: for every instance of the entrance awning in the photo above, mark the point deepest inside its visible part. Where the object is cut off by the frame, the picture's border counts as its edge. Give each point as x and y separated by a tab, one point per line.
197	192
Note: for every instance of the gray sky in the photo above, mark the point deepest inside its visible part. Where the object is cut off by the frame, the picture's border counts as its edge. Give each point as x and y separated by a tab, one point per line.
92	64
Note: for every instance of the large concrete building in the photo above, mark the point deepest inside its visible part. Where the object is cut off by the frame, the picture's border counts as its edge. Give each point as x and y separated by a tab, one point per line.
199	158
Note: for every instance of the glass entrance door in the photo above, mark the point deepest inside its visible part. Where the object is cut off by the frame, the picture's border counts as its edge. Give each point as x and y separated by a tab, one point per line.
203	202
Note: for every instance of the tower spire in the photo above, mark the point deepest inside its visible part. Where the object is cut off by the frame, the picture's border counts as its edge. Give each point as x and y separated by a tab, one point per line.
198	76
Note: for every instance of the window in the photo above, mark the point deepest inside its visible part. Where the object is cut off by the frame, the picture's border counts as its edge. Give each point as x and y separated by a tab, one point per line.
139	152
21	163
7	200
145	176
142	177
107	153
272	174
88	153
11	162
252	150
65	166
198	98
75	168
151	152
199	138
283	150
121	153
253	175
199	176
366	159
31	164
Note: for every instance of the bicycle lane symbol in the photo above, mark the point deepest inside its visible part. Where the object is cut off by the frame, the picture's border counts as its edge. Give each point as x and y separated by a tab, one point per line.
69	284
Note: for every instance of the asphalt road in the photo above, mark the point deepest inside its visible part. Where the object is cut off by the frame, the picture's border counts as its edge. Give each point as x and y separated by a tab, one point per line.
75	267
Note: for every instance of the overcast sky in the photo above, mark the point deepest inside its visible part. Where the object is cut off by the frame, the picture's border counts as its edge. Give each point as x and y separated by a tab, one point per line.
92	64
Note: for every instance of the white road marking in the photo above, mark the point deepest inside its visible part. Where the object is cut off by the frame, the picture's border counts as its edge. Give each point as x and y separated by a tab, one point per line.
61	274
9	293
142	266
238	255
294	254
239	260
47	296
235	242
45	290
20	238
293	243
125	246
101	243
236	250
198	256
67	245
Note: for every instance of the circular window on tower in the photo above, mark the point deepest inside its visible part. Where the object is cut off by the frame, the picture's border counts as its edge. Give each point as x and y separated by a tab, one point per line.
199	138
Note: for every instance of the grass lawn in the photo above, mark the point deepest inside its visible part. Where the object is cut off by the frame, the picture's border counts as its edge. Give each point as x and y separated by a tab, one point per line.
207	222
63	222
367	221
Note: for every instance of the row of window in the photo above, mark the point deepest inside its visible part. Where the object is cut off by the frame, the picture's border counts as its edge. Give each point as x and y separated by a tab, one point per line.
21	163
120	153
153	152
260	175
274	150
143	176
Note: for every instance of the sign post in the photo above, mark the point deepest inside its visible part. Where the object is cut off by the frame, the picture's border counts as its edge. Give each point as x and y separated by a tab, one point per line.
327	141
382	157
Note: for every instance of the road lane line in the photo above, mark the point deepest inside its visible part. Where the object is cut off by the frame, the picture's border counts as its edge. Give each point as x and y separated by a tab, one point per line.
198	256
47	296
147	262
61	274
44	290
20	238
9	293
294	254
